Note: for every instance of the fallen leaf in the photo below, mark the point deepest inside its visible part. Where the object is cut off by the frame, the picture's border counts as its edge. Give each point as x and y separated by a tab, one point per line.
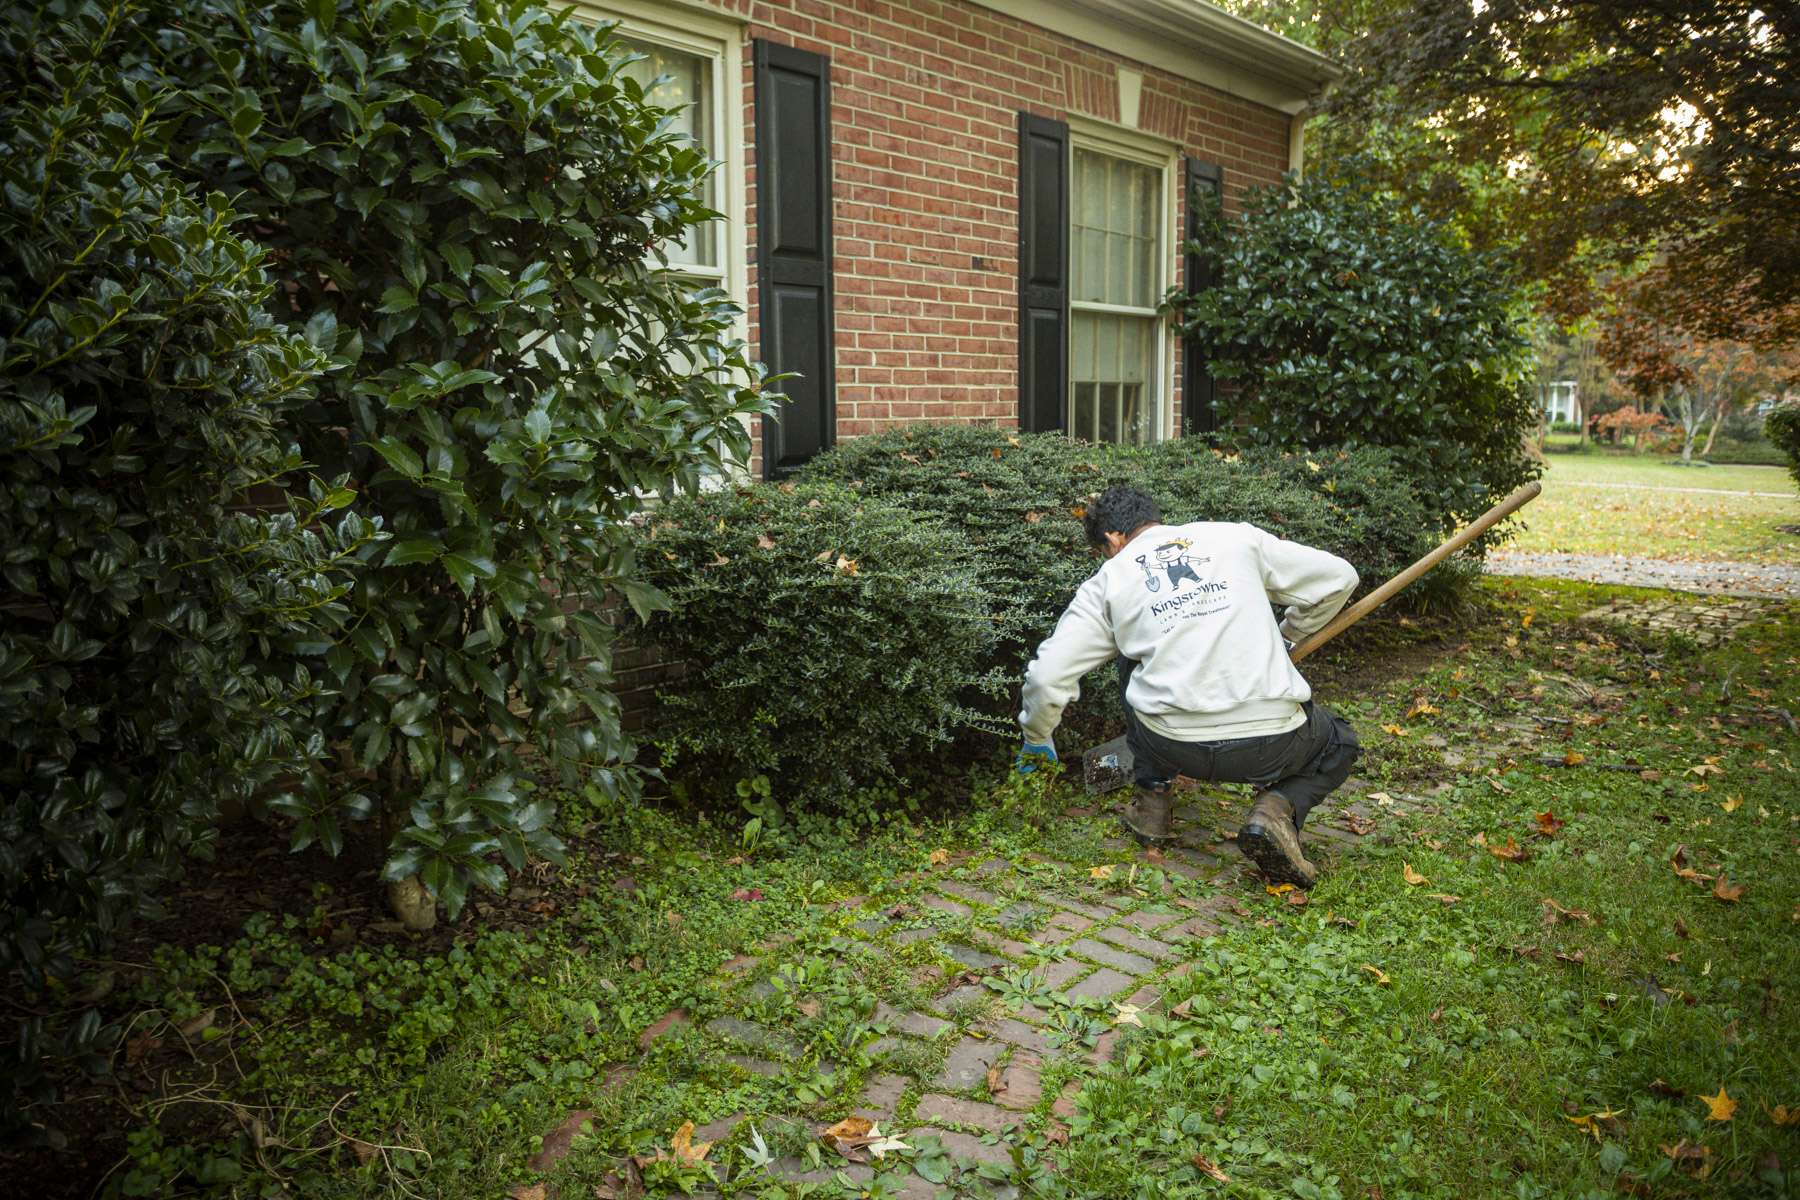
1704	769
1154	857
1548	823
557	1143
996	1079
1436	1014
846	566
198	1025
939	857
1380	975
1103	871
1784	1116
1695	1159
1127	1014
366	1152
1298	899
1184	1009
1554	911
1411	876
1681	929
1525	621
1210	1169
764	542
1278	889
1719	1107
1664	1088
1444	898
1421	708
1361	826
1733	804
532	1191
1382	798
1727	891
1578	958
1032	518
1574	758
1396	730
1593	1121
809	1008
1510	852
747	894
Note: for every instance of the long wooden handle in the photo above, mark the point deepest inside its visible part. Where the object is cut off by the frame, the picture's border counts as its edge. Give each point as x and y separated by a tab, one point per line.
1398	583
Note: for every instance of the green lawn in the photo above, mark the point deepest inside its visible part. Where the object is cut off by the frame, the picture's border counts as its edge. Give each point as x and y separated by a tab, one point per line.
1381	1040
1584	510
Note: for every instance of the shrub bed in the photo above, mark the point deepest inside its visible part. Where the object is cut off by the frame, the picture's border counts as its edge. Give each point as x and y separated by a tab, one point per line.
1782	428
831	638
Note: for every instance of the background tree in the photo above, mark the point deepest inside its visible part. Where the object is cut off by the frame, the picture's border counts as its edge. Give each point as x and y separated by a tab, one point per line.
1606	129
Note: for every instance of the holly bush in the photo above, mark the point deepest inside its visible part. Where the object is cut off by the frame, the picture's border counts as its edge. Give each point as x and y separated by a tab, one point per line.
155	647
1782	427
832	642
1340	318
465	203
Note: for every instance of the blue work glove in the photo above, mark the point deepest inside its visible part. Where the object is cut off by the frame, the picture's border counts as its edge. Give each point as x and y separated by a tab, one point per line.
1032	754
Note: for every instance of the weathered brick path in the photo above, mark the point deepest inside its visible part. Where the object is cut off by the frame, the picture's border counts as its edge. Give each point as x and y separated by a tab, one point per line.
978	1069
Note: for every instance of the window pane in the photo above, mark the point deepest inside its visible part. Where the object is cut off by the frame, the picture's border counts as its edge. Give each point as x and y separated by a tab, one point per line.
685	80
1113	376
1113	235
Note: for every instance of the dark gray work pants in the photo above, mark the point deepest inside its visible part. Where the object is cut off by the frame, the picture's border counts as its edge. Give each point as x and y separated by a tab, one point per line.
1305	764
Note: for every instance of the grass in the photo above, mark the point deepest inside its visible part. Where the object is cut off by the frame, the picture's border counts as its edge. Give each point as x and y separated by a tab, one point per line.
1584	510
1376	1042
1496	1025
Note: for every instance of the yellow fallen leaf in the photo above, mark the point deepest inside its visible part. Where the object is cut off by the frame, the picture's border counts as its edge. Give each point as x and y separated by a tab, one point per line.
1733	804
686	1150
1592	1122
939	857
1421	708
1127	1014
1510	852
1727	891
1719	1107
1396	730
1209	1168
1103	871
1525	621
1380	975
1411	876
1784	1116
846	565
1278	889
1574	758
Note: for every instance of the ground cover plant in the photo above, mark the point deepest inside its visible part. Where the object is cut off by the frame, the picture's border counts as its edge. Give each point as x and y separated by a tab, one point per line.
1598	503
1551	957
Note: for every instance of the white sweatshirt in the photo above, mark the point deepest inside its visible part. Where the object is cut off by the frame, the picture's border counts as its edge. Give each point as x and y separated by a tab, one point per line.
1190	603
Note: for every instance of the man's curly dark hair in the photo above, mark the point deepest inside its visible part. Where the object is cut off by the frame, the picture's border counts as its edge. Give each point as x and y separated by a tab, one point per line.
1119	509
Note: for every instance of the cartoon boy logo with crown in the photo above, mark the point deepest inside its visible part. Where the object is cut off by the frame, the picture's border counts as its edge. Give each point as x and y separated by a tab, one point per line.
1172	559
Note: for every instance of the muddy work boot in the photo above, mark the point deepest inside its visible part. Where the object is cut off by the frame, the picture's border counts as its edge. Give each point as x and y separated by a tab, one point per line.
1146	818
1270	839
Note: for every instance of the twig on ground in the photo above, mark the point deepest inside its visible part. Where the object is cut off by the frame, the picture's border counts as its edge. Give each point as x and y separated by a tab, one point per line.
1551	760
1543	720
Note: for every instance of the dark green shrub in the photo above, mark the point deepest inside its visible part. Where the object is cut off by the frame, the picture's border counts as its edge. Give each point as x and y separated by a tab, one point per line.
1782	427
159	648
466	202
1340	318
832	640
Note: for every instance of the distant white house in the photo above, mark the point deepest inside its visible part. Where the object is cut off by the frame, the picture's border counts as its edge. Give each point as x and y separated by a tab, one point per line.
1560	400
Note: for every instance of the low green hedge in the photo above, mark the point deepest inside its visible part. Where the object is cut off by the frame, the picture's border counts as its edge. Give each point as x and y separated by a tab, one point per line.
832	641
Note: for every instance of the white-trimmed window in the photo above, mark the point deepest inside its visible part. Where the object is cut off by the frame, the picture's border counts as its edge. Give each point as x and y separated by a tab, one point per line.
1119	263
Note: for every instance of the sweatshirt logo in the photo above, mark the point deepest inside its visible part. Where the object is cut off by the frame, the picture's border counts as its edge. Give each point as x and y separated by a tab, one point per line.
1173	560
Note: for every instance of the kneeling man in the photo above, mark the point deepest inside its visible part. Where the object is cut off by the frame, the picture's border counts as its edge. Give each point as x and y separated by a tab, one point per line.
1209	689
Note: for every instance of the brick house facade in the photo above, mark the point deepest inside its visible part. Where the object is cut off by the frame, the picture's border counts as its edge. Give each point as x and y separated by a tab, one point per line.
967	210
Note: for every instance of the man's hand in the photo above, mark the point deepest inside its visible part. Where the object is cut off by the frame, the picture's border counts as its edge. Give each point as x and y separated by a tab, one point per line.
1033	755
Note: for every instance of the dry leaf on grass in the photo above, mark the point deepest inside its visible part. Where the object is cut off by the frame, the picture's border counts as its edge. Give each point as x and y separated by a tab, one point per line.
1695	1159
1154	857
558	1141
1103	871
1278	889
1783	1116
1728	891
764	542
1719	1107
1574	758
939	857
1210	1169
1396	730
1732	804
528	1191
1553	912
1380	975
1510	852
1411	876
1548	823
1421	708
1127	1014
1298	899
996	1079
1593	1122
1361	826
1444	898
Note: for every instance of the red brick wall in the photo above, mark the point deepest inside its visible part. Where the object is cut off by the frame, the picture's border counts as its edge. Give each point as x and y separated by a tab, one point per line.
925	102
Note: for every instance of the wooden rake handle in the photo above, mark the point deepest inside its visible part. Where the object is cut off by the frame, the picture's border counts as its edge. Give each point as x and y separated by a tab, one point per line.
1398	583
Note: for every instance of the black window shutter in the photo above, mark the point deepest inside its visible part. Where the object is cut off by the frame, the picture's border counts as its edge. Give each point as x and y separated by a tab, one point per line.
793	249
1043	272
1198	412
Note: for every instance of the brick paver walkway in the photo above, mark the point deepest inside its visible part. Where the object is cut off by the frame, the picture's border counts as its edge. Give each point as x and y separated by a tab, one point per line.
1030	974
1718	578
